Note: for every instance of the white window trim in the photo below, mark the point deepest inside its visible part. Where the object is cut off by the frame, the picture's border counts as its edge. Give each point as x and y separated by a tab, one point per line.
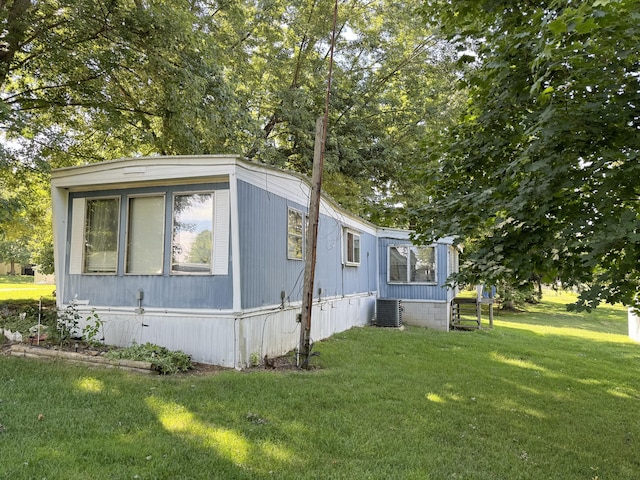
408	282
345	251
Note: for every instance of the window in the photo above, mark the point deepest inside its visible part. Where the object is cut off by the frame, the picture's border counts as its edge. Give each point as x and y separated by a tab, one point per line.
294	235
101	235
145	235
192	239
409	264
352	247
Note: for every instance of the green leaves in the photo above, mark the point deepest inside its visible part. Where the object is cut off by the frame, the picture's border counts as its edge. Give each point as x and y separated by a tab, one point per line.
550	141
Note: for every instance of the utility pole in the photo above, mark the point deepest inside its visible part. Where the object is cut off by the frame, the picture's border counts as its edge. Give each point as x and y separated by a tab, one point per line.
314	213
312	242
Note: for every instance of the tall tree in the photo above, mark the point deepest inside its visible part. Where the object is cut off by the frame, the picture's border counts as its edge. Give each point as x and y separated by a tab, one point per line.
393	84
93	80
540	175
84	81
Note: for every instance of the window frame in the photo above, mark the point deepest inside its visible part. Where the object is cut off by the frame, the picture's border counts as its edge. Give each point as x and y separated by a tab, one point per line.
171	232
301	215
85	234
408	280
349	253
129	198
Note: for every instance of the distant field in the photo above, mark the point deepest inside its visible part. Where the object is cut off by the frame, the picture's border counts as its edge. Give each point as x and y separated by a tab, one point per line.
21	287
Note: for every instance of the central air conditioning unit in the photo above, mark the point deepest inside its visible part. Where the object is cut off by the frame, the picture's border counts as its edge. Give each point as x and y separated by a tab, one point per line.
388	312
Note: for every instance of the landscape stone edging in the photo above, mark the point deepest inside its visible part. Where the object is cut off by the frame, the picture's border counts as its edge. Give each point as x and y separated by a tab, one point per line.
21	350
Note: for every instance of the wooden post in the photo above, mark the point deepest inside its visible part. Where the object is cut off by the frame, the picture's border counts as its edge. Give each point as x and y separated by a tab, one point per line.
312	242
314	211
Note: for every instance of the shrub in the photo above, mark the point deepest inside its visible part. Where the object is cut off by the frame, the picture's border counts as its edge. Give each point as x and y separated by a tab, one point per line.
164	360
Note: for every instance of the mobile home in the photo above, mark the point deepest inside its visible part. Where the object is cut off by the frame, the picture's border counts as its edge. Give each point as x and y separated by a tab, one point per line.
205	254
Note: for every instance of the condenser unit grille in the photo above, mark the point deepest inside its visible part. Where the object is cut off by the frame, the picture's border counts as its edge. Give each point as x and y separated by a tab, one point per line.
388	312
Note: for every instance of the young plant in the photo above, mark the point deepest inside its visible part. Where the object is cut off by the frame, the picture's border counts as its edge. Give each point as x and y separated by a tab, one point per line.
92	329
68	324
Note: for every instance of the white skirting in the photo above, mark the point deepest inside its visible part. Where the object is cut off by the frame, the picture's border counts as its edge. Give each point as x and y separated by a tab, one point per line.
232	339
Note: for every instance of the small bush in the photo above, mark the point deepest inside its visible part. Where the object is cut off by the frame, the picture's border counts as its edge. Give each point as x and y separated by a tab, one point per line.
162	359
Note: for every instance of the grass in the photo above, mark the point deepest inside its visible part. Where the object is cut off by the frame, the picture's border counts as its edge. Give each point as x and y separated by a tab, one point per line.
545	394
21	287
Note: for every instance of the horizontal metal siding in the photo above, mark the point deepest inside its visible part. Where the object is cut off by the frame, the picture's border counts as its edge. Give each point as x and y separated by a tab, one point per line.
412	292
168	291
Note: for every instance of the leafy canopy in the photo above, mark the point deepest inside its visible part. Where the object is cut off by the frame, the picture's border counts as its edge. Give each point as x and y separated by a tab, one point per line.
83	81
539	177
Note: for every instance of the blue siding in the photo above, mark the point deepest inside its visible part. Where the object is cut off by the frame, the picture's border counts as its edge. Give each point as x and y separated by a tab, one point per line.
407	291
265	269
168	291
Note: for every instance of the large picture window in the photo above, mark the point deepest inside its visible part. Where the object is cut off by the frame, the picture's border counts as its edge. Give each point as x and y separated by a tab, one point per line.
101	235
294	235
145	235
410	264
352	247
192	238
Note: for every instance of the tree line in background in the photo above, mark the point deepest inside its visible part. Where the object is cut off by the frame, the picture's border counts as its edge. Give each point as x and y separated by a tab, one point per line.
514	127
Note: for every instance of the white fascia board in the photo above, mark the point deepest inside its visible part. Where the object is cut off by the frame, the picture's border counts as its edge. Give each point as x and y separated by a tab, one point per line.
174	170
145	171
297	188
347	219
287	185
400	234
394	233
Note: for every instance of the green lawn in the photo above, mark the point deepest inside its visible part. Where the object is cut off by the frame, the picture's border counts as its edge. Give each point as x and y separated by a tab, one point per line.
21	287
545	394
